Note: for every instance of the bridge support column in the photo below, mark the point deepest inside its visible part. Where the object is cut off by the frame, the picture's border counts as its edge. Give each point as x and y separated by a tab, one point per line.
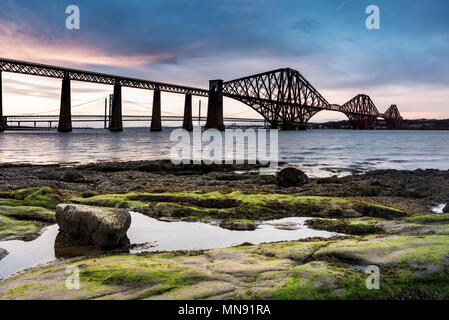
116	119
2	123
188	123
288	126
156	122
215	106
393	123
65	112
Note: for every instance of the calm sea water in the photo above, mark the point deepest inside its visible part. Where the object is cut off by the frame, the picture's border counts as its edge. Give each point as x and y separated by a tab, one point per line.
318	152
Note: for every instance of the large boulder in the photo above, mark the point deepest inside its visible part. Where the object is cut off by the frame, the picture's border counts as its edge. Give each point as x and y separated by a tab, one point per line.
103	227
291	177
446	208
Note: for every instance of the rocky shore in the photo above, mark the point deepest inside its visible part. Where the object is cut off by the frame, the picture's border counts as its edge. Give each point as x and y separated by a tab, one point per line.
385	214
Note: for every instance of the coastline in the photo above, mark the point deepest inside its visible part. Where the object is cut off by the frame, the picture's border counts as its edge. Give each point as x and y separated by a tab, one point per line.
386	208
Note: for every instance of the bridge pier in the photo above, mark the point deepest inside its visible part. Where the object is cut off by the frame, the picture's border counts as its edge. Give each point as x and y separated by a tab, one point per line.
215	106
393	123
156	122
365	123
2	123
116	119
188	123
288	126
65	112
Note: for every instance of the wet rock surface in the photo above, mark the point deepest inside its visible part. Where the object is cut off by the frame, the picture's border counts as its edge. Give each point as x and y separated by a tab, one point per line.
291	177
386	212
67	247
446	208
3	253
421	187
238	224
103	227
28	213
412	268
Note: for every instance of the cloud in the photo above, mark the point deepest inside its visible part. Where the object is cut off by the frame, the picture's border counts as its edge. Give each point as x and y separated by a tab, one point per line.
21	46
190	42
307	26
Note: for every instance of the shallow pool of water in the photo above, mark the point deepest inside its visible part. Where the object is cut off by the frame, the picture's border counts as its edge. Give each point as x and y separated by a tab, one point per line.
163	236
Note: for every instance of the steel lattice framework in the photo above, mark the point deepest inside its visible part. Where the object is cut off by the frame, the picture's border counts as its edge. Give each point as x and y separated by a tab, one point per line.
284	95
393	117
361	111
43	70
279	95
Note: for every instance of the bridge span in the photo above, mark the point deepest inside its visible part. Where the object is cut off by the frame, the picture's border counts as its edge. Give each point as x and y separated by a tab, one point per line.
283	97
31	121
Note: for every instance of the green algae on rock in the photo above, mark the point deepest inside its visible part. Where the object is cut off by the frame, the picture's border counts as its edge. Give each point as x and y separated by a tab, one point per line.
411	267
346	226
431	218
25	212
28	213
13	229
38	197
238	224
239	205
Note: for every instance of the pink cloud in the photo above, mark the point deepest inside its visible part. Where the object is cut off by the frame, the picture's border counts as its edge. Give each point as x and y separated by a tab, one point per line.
15	43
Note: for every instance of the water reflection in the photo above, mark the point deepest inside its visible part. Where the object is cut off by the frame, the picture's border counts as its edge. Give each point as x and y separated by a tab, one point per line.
147	234
316	151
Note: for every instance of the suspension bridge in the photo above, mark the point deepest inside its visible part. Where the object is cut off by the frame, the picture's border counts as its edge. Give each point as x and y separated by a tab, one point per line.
283	97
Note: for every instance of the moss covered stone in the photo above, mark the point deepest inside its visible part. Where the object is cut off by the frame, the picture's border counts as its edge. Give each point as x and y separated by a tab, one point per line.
354	226
11	229
431	218
411	267
239	205
238	224
28	213
38	197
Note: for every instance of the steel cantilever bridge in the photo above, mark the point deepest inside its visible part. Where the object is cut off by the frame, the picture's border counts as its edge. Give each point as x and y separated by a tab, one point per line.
283	97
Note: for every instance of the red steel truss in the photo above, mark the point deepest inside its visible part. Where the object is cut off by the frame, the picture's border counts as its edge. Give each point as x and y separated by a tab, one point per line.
392	117
285	98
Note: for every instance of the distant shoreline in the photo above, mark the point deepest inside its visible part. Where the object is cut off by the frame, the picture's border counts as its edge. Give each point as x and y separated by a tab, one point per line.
415	124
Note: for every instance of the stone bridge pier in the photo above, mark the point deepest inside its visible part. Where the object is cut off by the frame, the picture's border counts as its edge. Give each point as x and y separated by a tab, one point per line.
156	121
2	124
65	112
116	118
188	123
215	106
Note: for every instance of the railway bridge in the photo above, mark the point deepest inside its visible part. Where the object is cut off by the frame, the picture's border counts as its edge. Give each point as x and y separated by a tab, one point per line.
283	97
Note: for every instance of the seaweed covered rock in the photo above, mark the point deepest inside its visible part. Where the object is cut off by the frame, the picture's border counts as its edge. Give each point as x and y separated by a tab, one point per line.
291	177
72	176
103	227
28	213
238	224
446	208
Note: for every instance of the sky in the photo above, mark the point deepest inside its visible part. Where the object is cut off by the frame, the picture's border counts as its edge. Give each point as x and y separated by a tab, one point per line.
190	42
